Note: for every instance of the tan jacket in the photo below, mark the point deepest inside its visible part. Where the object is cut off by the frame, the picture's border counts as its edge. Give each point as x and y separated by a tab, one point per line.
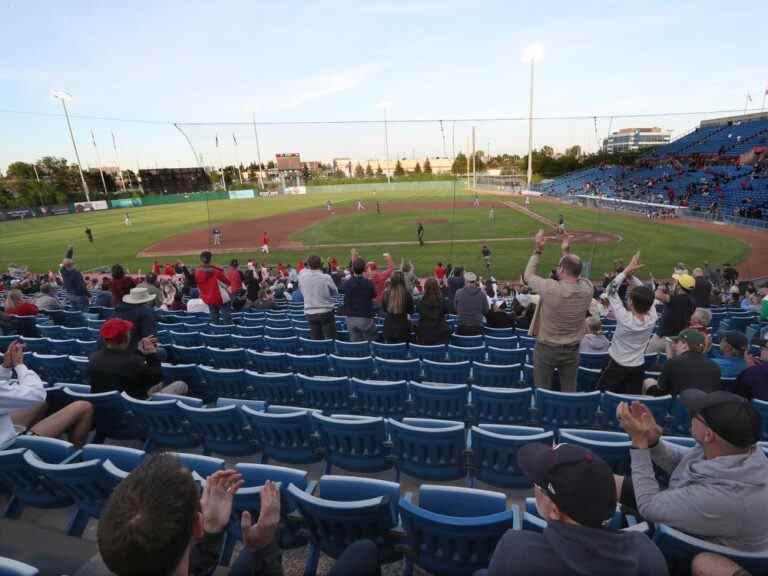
560	317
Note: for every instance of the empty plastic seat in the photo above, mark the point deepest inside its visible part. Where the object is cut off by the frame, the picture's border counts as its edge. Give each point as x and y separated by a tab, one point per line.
762	407
462	353
161	422
72	318
593	360
288	344
454	531
505	343
501	405
356	443
327	393
80	365
397	369
39	345
446	372
111	418
222	430
248	342
249	330
286	331
441	401
351	366
189	354
587	379
67	346
234	358
497	375
189	339
86	347
220	329
273	388
428	449
613	447
46	331
390	351
507	356
436	352
309	365
284	436
309	346
380	398
352	348
267	361
680	420
11	567
494	453
225	382
566	410
53	368
190	375
467	341
78	333
659	406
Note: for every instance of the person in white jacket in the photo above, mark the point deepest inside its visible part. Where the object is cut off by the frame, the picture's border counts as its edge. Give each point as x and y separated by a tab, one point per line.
22	404
634	326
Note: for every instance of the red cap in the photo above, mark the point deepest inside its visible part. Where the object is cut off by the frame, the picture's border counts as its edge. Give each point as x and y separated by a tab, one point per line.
114	329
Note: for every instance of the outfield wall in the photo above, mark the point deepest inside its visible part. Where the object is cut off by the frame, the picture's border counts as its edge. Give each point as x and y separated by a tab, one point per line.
427	186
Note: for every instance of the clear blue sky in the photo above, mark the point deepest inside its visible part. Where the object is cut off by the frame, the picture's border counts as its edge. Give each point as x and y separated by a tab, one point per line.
296	61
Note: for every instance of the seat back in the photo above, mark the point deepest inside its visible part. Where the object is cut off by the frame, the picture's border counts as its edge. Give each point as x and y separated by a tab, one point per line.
124	458
596	360
189	374
111	419
189	354
11	567
188	339
397	368
267	361
659	407
506	356
467	341
352	367
352	348
762	407
224	382
309	346
496	375
162	422
248	342
220	341
222	430
567	410
494	453
326	393
503	342
54	368
587	379
680	419
436	352
287	437
309	365
377	398
397	351
353	442
233	358
462	353
441	401
281	343
446	372
273	388
613	447
428	449
501	405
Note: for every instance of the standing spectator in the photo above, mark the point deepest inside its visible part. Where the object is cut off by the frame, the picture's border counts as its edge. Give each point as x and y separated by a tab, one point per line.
678	309
626	367
156	268
16	306
575	494
73	281
411	280
121	284
46	301
733	348
378	277
717	489
730	274
455	283
319	293
559	320
169	270
136	307
359	294
432	308
440	273
235	278
471	305
752	383
150	285
702	289
594	341
211	282
687	367
397	304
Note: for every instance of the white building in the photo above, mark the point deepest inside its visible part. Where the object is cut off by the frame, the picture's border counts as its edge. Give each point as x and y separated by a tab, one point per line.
629	139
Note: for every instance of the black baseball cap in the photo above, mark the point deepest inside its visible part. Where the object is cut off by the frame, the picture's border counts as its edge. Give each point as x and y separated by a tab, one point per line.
206	256
737	340
732	417
578	481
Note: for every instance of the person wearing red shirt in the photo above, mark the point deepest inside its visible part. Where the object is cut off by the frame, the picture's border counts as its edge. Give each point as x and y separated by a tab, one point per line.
156	269
299	266
209	279
265	243
169	270
281	271
235	278
121	285
440	273
16	306
380	278
333	264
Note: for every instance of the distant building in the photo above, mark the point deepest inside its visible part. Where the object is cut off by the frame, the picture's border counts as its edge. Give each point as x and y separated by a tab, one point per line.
343	165
290	162
313	166
629	139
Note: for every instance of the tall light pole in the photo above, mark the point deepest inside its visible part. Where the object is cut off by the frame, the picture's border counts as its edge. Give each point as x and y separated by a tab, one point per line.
64	97
531	54
386	105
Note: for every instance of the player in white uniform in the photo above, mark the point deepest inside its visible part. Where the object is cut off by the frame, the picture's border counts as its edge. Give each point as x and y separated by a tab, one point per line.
127	219
476	202
360	206
491	215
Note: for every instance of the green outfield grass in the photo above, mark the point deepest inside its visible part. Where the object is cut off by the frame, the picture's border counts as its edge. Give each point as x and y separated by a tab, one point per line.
40	243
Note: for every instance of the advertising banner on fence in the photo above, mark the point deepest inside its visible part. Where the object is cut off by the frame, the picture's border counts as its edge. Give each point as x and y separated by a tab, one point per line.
54	210
295	190
19	214
91	206
125	203
241	194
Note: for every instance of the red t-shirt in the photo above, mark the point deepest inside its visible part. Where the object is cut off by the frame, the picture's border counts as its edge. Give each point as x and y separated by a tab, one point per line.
265	238
439	272
156	269
23	309
235	280
207	280
169	270
299	266
121	287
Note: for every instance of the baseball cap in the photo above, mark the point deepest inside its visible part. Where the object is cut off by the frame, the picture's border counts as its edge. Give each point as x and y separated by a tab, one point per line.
206	256
732	417
114	329
686	281
578	481
691	336
470	276
736	339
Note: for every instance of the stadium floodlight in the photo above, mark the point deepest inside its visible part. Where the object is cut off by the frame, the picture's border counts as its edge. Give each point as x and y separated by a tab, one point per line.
532	53
386	105
65	97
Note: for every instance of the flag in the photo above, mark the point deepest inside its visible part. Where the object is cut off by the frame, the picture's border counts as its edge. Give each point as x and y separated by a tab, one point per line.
766	90
217	140
114	144
234	139
93	139
749	97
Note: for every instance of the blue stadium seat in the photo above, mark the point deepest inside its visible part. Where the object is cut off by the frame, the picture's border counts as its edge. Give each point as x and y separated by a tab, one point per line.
356	443
288	344
528	342
273	388
224	382
506	356
428	449
446	372
379	398
352	366
659	406
593	360
680	420
248	342
190	375
222	430
507	343
390	351
233	358
248	330
309	346
188	339
352	348
467	341
462	353
587	379
345	510
762	407
78	333
309	365
53	368
39	345
123	458
327	393
501	405
566	410
202	466
497	375
46	331
11	567
189	354
72	318
613	447
440	401
494	453
287	331
220	329
499	332
435	352
222	341
284	436
80	364
64	347
25	486
267	361
110	417
397	369
454	531
161	422
87	347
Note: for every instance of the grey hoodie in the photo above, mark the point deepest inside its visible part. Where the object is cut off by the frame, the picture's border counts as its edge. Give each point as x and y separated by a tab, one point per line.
471	305
723	500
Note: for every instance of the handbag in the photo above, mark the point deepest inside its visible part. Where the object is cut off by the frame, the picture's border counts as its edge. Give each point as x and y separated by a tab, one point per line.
224	292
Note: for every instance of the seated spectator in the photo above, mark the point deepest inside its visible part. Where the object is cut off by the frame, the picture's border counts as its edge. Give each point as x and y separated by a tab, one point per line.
150	285
733	348
197	306
22	404
752	383
264	301
121	285
16	306
471	305
397	304
575	494
297	296
46	300
432	309
101	293
136	307
717	490
118	367
687	367
171	296
678	309
594	341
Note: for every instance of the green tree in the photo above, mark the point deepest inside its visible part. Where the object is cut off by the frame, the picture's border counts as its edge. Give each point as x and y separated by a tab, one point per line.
459	164
305	173
359	171
547	151
399	169
379	171
573	151
368	170
270	165
427	167
417	168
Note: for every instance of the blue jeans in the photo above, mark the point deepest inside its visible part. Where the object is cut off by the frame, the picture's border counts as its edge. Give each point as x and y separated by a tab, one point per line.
79	302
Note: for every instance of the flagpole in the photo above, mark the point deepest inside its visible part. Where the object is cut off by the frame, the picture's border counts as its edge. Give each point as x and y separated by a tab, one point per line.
221	163
117	159
258	151
746	103
237	159
98	157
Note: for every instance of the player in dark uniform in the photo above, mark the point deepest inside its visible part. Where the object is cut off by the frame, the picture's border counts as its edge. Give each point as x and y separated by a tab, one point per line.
89	233
420	233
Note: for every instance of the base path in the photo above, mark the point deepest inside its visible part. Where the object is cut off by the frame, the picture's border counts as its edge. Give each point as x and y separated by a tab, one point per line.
245	235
